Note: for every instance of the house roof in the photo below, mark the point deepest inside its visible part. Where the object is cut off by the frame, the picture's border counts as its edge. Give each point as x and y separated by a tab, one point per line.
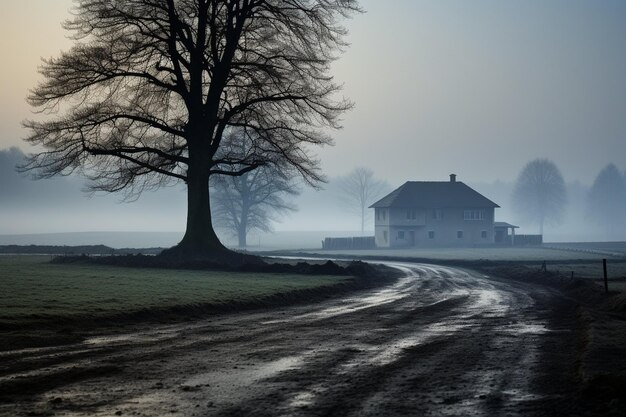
505	224
434	194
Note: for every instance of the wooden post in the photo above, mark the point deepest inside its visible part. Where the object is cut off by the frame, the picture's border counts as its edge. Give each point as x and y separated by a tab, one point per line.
606	279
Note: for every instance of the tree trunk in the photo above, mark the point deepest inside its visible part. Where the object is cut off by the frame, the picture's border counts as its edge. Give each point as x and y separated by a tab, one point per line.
362	219
241	235
200	240
242	231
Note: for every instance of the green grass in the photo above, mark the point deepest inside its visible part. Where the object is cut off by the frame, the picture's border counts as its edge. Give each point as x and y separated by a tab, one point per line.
34	289
593	270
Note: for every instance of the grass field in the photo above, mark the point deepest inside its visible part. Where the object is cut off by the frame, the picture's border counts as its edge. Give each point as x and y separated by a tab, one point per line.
34	289
471	254
584	264
615	269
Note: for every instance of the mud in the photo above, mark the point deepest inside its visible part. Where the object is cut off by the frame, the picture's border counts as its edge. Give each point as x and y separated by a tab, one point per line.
439	341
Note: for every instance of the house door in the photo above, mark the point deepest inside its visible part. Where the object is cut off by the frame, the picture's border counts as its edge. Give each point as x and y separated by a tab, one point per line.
412	237
499	237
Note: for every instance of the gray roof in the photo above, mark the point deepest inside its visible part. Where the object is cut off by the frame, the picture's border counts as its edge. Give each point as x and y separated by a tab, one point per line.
504	224
434	194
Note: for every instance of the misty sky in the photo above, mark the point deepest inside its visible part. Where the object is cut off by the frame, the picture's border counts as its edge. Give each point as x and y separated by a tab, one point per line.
477	88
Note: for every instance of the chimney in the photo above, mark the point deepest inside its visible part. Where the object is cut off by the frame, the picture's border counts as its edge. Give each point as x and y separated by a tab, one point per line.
452	177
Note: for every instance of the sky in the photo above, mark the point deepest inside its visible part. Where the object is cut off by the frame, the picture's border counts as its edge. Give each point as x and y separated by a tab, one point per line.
476	88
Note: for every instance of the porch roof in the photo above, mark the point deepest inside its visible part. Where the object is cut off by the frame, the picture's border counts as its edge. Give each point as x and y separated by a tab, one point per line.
504	225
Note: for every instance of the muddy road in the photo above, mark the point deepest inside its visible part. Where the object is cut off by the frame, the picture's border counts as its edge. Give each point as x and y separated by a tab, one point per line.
440	341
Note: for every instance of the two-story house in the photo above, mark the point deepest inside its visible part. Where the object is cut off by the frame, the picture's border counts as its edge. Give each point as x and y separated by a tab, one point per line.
434	213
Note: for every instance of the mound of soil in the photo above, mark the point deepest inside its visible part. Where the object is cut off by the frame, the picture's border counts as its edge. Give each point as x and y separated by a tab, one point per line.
247	263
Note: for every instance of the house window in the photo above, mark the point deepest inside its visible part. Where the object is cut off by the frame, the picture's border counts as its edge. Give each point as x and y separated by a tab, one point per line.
437	214
473	214
411	214
400	234
483	234
384	214
385	236
459	234
431	234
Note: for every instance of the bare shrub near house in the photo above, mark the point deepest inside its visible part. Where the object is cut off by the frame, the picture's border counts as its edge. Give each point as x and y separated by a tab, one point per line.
360	189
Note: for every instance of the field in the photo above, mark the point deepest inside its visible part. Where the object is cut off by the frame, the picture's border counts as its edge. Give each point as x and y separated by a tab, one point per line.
585	260
35	290
476	254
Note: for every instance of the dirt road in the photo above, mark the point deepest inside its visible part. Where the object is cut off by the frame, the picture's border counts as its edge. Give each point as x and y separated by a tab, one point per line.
440	341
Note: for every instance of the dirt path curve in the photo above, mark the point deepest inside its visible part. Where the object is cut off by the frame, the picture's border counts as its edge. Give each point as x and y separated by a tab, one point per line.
440	341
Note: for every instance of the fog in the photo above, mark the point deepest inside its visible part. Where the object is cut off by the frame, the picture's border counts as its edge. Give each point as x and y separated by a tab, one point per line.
61	205
477	89
59	211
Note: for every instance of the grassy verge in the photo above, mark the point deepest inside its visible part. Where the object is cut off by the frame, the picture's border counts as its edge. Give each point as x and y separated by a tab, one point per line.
35	290
44	303
510	254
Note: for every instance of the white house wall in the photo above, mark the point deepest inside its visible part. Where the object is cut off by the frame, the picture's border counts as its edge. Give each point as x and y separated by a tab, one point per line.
445	229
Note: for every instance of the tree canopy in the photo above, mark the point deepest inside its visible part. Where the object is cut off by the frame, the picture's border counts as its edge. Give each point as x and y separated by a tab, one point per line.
360	189
606	201
540	195
251	201
151	87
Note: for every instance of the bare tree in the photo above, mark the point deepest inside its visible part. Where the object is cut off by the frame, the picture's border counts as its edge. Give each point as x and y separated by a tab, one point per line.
540	195
251	201
360	189
606	201
151	87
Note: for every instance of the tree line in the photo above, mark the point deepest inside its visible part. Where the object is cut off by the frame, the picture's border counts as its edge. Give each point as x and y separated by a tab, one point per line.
232	93
255	200
540	197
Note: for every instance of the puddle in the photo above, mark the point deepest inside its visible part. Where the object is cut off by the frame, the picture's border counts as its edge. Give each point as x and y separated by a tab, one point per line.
302	399
490	302
398	291
516	395
393	351
46	350
246	375
141	337
526	328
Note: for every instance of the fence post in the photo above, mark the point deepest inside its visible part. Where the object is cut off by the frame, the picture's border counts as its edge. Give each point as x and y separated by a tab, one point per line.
606	279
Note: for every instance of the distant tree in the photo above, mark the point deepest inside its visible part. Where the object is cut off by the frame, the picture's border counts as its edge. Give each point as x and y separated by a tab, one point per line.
151	87
251	201
540	195
360	189
606	201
